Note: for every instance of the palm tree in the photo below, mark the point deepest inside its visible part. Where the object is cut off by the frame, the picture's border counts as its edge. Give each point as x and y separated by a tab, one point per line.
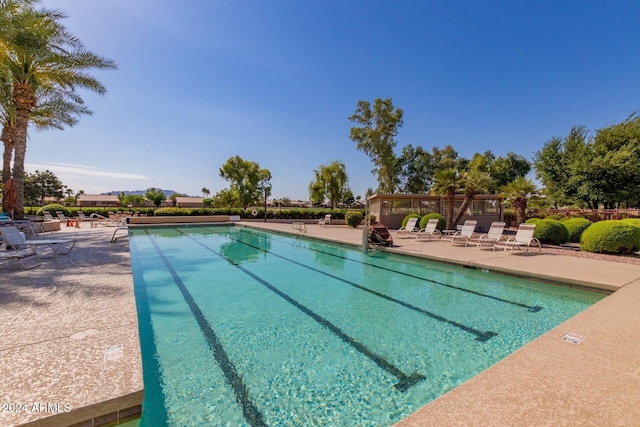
475	182
205	192
40	55
447	182
519	191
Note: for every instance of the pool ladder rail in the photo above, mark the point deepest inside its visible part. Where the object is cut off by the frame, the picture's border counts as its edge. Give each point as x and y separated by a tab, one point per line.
114	237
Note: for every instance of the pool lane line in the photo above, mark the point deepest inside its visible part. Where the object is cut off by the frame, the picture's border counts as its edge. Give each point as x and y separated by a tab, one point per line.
253	416
480	335
533	309
405	381
153	394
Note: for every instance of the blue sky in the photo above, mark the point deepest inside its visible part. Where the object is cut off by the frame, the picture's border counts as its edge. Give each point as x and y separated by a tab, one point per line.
274	82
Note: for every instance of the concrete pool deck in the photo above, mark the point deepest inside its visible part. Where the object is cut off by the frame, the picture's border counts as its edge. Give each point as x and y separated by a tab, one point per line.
63	323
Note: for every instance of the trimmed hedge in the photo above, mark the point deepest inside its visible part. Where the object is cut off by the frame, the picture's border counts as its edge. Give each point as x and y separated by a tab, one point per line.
52	209
575	227
442	222
551	231
406	218
633	221
353	218
610	237
533	220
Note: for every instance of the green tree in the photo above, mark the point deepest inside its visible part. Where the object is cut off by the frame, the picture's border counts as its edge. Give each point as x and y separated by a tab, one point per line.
447	158
38	55
505	169
518	192
331	182
447	183
376	138
133	200
205	192
39	185
474	182
614	172
417	170
69	200
155	195
245	179
226	198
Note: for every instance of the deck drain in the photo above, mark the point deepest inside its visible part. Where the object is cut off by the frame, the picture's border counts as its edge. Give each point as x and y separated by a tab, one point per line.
83	334
573	338
113	352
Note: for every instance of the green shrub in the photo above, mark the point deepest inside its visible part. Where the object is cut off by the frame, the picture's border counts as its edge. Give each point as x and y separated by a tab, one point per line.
52	209
373	219
575	227
353	218
442	222
551	231
406	218
635	222
533	221
557	217
610	237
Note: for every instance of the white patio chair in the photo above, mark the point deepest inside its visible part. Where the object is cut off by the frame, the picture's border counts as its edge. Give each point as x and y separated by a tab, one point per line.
523	238
493	236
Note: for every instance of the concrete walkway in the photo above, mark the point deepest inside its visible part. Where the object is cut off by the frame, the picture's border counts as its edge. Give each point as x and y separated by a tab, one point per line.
69	346
62	325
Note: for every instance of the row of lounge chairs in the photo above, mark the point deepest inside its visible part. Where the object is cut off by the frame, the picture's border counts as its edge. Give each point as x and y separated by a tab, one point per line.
16	247
468	236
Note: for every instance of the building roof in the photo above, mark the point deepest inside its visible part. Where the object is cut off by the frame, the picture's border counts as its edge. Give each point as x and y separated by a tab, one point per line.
98	198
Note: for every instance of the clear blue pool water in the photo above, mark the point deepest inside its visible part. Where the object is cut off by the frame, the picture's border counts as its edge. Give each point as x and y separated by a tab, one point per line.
244	328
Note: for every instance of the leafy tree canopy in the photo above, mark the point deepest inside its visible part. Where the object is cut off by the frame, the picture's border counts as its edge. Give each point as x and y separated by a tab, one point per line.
248	182
376	138
330	182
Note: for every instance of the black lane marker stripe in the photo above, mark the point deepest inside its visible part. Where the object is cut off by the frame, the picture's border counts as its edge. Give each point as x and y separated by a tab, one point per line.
533	309
405	381
253	416
480	335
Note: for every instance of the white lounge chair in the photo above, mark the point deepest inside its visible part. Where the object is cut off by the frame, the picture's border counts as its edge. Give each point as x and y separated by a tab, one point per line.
461	236
13	237
430	231
493	236
48	216
325	221
17	254
409	230
523	238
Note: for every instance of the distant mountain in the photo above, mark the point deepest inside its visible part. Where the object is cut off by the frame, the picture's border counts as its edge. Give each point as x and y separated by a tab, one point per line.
167	193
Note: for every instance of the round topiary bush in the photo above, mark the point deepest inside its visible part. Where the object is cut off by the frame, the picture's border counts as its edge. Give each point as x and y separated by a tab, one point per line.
533	221
551	231
442	222
353	218
406	218
610	237
52	209
575	227
635	222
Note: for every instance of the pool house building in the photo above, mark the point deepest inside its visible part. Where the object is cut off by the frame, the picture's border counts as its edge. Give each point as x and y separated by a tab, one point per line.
390	209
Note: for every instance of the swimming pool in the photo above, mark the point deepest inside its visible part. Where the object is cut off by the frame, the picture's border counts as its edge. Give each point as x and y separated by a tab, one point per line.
243	327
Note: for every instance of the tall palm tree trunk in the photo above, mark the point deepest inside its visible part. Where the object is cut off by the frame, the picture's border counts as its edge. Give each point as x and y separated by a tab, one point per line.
24	100
468	199
7	139
520	206
451	197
